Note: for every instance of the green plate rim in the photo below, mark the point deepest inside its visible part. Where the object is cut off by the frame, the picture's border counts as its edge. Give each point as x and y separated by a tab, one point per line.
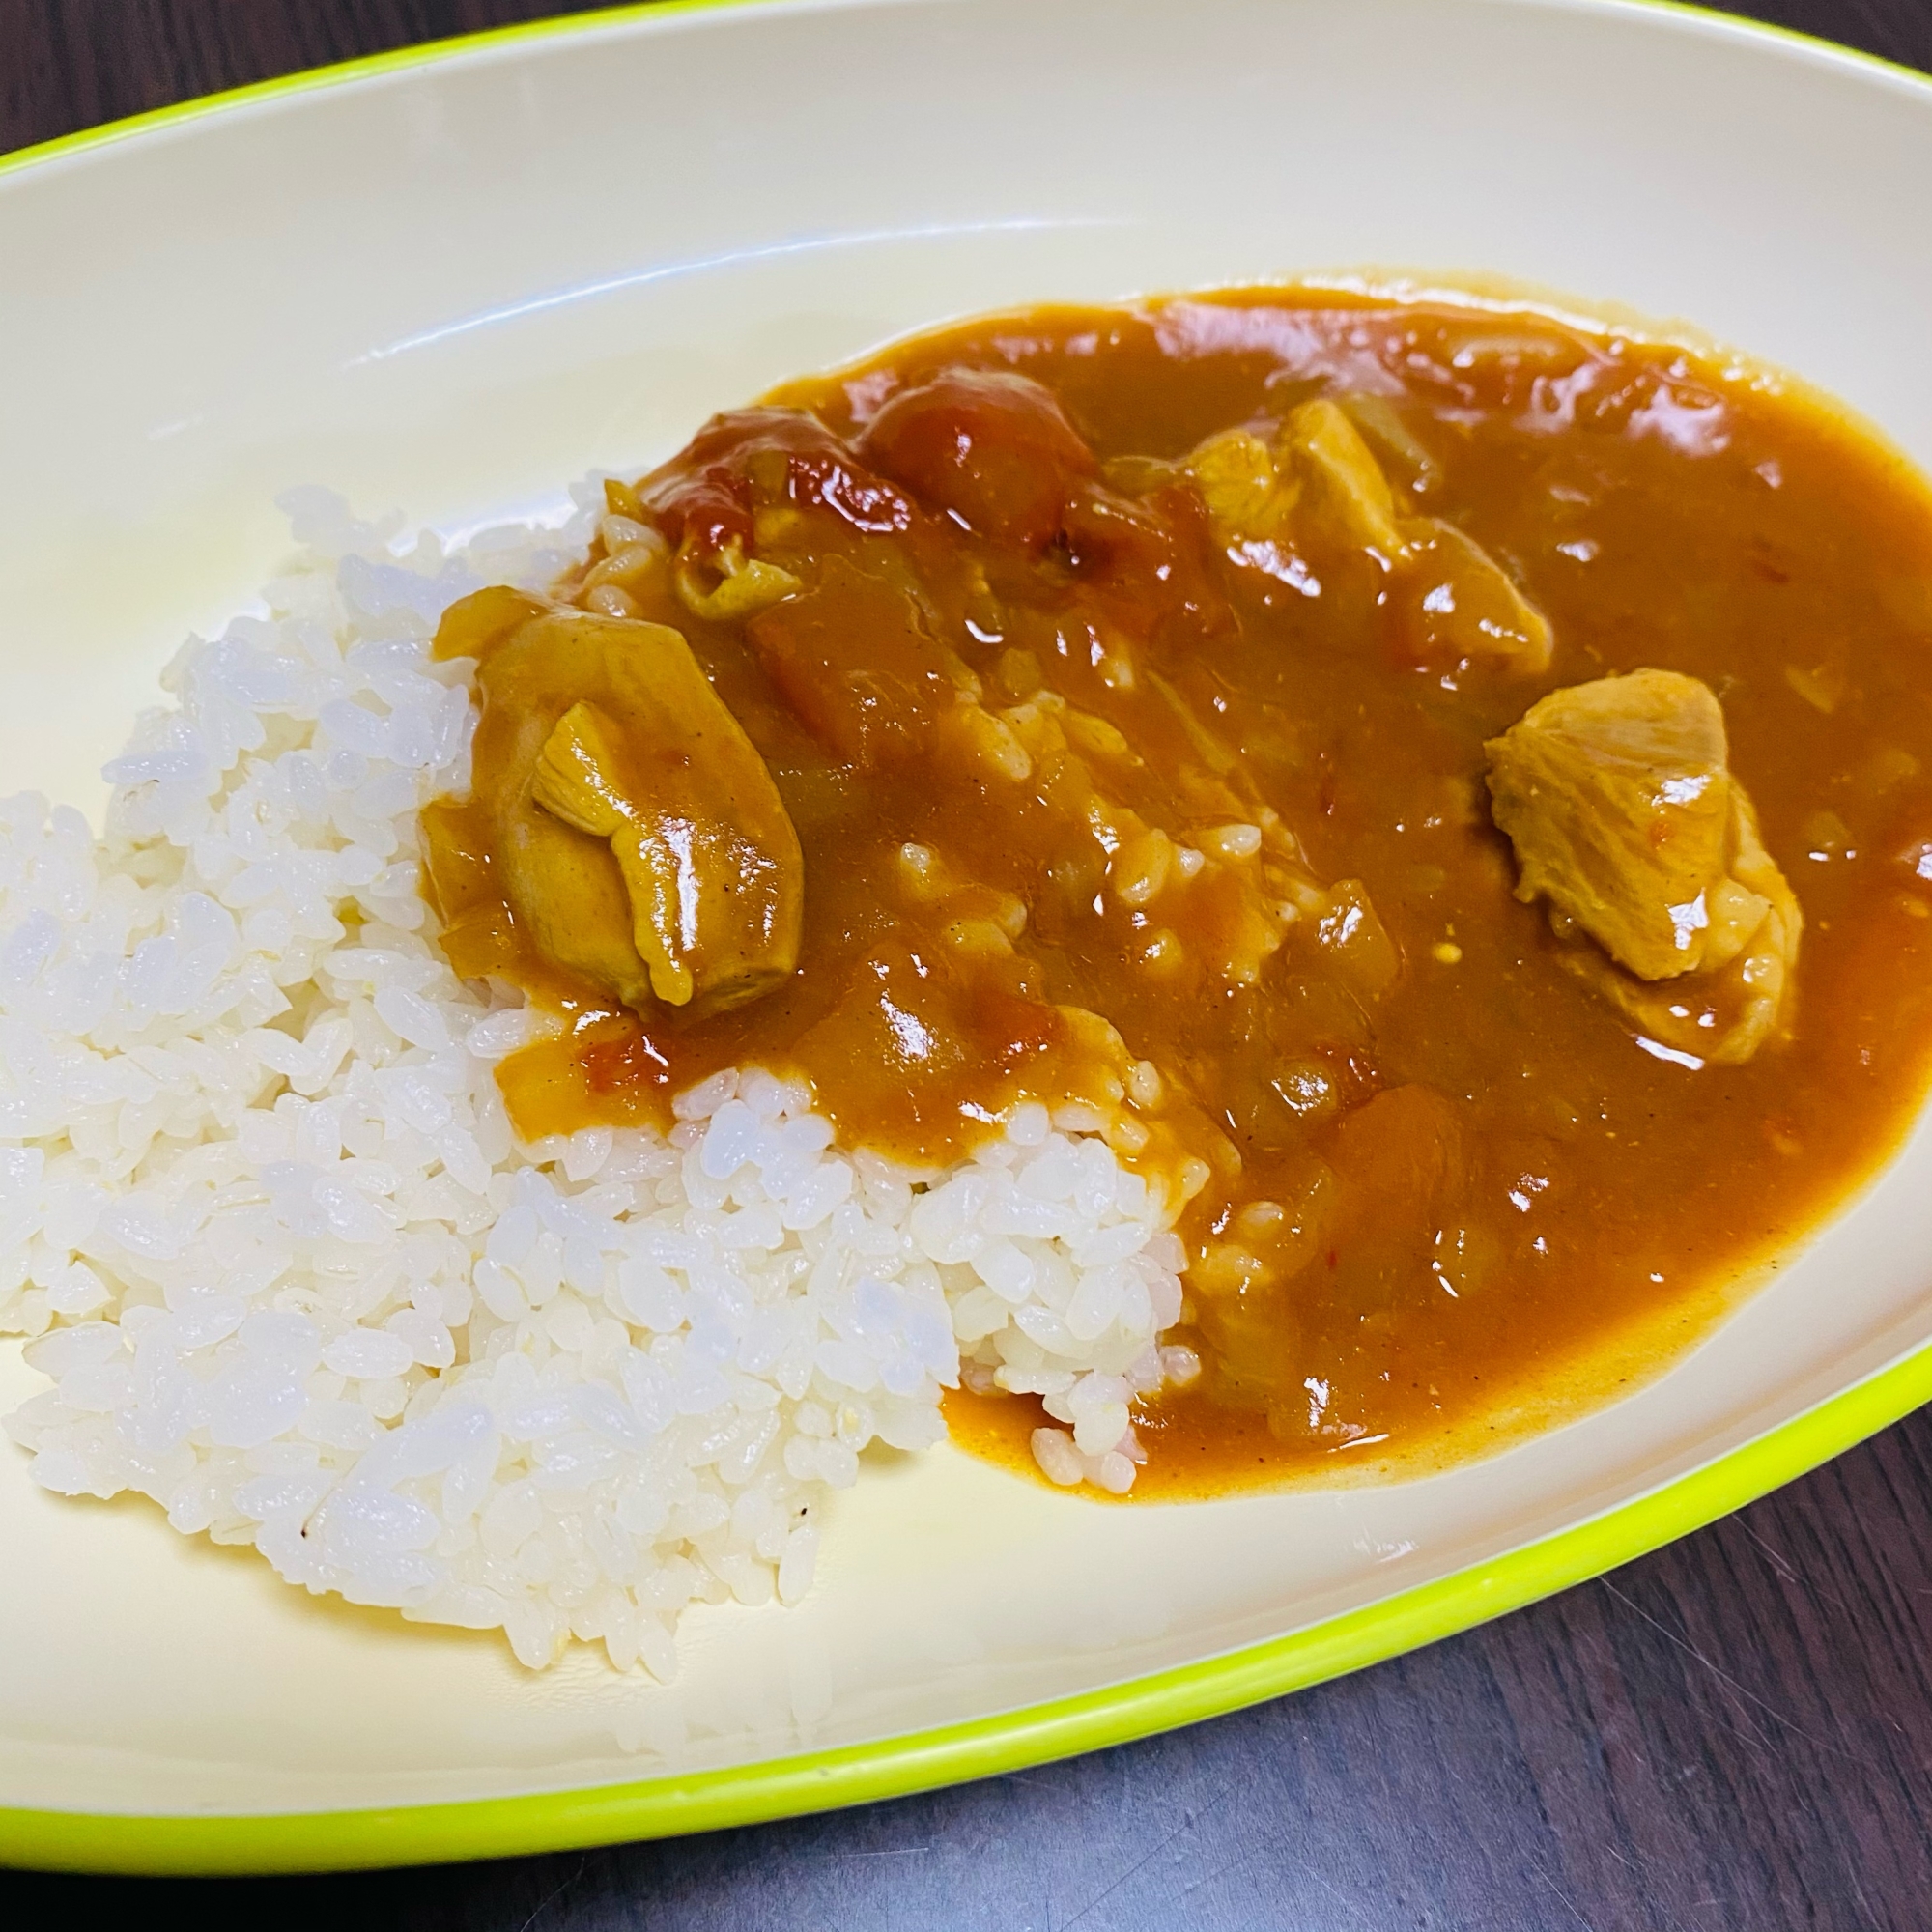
1011	1740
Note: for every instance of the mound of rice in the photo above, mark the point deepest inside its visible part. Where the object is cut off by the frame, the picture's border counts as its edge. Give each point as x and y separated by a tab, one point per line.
291	1274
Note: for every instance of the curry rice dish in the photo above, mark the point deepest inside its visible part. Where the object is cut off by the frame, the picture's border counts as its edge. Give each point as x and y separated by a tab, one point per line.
1267	887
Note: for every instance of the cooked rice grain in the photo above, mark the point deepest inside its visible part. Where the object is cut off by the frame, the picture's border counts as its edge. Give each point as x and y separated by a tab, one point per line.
291	1274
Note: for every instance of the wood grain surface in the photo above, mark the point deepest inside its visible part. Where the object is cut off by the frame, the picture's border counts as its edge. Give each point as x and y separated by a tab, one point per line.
1733	1733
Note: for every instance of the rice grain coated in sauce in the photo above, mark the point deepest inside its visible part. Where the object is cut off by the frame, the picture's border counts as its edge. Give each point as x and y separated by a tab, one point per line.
1126	677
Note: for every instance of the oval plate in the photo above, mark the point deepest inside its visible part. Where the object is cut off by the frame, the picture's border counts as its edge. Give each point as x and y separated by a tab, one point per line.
452	280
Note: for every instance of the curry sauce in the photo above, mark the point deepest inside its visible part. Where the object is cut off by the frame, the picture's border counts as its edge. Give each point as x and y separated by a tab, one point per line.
1123	689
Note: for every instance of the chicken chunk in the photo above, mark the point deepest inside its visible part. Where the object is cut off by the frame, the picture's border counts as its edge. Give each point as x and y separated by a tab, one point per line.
1744	995
1248	494
1455	604
1343	478
1314	471
1618	798
641	844
1317	480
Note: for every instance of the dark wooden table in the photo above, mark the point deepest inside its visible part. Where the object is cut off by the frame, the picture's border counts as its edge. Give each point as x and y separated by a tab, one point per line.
1735	1733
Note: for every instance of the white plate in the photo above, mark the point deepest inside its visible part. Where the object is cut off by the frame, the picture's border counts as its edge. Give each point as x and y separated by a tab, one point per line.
453	282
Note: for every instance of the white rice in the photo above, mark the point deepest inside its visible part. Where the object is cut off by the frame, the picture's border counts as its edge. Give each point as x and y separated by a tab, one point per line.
290	1273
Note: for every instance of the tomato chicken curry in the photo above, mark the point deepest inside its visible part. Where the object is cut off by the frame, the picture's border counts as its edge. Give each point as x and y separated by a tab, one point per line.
1446	792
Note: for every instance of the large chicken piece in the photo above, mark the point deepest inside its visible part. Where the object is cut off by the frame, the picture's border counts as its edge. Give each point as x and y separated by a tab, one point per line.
641	842
1618	798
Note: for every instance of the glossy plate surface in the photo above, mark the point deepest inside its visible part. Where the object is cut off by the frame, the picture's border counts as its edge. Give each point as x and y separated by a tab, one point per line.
451	282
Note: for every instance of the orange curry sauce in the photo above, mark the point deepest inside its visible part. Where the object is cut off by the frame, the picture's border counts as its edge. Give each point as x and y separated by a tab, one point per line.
1027	719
